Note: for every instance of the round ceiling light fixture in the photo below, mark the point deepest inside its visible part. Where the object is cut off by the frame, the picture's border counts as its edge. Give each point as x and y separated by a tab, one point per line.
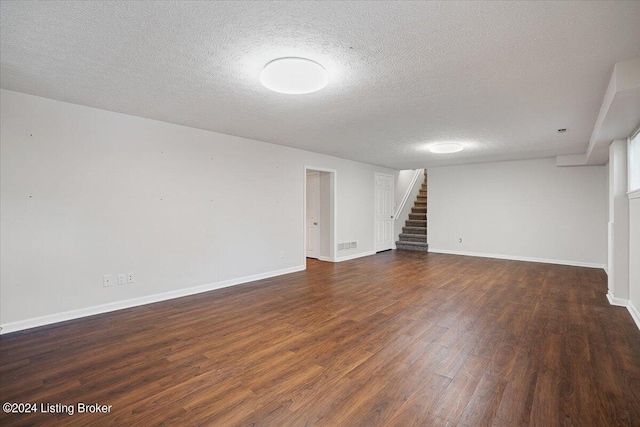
449	147
294	76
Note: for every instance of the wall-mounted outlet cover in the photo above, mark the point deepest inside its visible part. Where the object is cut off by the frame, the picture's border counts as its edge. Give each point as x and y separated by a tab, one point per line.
107	280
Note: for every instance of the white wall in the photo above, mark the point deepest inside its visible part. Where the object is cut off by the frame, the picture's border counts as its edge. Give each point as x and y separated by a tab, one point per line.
607	166
634	258
527	209
624	234
326	207
87	192
403	180
618	226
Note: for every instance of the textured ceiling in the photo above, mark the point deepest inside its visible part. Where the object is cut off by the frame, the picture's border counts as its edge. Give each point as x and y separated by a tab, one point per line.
500	76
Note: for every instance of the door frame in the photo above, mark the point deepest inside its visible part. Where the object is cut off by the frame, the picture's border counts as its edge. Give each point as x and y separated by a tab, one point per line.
393	213
331	230
318	225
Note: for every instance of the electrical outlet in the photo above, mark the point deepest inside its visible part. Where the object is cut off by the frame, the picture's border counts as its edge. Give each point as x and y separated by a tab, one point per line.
122	279
130	278
107	280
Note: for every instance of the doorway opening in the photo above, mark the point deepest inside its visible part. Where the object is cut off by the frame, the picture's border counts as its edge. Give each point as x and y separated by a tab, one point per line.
319	213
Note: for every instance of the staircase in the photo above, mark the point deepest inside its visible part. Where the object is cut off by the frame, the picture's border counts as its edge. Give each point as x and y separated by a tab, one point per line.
414	234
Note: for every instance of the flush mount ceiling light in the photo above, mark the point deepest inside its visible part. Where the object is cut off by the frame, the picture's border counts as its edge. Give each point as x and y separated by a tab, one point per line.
294	76
449	147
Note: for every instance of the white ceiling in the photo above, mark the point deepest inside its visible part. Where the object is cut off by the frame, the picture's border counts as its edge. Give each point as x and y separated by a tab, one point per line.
502	76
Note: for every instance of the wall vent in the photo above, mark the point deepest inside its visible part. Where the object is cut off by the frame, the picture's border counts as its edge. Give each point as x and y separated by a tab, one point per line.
348	245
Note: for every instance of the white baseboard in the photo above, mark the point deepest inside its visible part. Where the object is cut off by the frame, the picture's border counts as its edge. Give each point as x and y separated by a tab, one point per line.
634	313
621	302
354	256
606	270
519	258
616	301
325	258
134	302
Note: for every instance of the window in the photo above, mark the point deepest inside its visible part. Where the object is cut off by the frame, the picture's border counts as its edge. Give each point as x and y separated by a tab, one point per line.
633	156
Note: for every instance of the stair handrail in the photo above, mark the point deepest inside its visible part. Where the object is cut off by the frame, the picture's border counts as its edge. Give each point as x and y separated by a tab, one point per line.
408	193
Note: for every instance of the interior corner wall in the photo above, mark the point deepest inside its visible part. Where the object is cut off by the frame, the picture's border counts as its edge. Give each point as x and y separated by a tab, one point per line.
530	210
88	192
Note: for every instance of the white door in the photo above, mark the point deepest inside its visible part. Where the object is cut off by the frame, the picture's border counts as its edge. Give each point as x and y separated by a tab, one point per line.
384	212
313	214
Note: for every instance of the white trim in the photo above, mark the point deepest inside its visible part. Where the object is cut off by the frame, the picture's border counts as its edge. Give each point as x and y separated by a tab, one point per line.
620	302
634	313
375	216
135	302
354	256
635	132
325	258
635	193
319	225
408	193
333	217
520	258
606	269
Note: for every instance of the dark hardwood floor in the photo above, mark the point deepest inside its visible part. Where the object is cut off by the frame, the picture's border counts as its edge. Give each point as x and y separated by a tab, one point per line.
395	339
